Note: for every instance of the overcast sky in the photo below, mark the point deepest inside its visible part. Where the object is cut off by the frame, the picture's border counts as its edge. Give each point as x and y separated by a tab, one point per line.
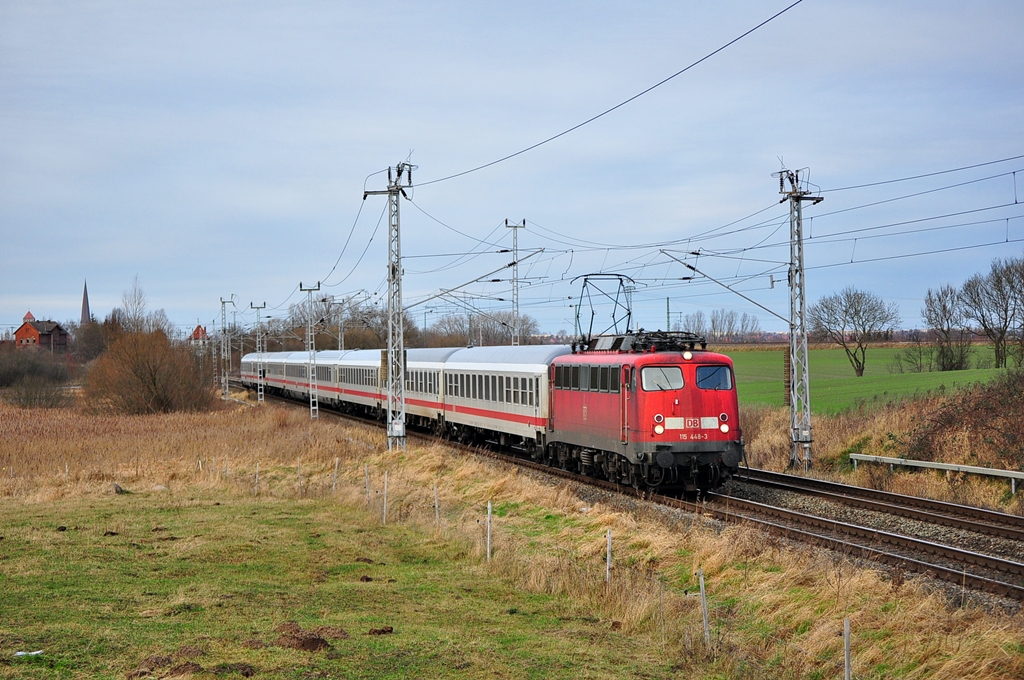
219	148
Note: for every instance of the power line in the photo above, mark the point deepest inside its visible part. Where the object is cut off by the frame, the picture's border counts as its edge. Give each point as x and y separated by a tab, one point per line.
929	174
918	193
363	254
617	106
927	252
827	238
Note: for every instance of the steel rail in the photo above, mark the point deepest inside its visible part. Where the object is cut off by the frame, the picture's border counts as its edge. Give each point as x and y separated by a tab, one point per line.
898	510
990	519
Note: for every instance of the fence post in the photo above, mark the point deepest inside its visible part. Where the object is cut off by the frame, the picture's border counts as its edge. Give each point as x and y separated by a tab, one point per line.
437	509
334	484
704	608
608	560
848	673
366	470
385	518
256	491
488	531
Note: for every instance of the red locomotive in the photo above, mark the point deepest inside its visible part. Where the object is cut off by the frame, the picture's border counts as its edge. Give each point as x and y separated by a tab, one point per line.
652	410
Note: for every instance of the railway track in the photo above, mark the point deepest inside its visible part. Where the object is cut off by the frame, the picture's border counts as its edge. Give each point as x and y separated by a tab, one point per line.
965	517
917	555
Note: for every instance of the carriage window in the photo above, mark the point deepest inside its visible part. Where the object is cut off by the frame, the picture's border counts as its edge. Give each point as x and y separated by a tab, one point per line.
494	388
507	391
487	388
605	373
657	378
536	393
714	378
584	378
575	371
595	378
530	392
515	390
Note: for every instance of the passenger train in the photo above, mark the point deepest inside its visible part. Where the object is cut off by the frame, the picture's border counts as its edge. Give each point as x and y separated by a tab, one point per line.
652	410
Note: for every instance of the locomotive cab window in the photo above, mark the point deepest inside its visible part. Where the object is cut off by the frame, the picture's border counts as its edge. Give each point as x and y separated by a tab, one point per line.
661	378
714	378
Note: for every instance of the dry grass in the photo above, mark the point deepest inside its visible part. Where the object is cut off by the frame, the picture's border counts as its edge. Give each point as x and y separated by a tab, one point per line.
880	431
775	609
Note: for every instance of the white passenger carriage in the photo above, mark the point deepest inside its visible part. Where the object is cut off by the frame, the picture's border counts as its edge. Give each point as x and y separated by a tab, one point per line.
477	393
502	390
359	387
424	386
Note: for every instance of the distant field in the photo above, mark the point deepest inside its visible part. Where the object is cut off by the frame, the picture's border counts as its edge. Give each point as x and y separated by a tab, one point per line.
834	387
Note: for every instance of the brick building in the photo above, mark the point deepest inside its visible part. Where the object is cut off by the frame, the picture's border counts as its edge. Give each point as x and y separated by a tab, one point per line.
45	334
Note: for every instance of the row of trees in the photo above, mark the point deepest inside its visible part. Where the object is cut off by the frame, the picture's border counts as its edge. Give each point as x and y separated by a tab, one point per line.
723	325
988	304
358	323
140	366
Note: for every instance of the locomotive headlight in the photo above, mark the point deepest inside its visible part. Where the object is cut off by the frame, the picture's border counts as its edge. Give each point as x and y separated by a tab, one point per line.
687	355
724	428
659	429
658	418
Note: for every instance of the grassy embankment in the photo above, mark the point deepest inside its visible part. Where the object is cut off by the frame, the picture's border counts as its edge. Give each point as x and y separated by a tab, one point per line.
205	565
880	413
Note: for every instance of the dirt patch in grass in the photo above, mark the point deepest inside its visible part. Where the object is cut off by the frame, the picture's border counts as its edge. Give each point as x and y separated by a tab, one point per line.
332	632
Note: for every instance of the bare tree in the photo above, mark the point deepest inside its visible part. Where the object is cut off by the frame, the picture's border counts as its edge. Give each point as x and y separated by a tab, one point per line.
853	318
943	311
991	302
493	328
133	308
724	325
750	327
695	323
1015	274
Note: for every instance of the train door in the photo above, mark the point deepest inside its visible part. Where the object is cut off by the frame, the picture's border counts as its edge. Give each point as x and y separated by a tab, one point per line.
624	405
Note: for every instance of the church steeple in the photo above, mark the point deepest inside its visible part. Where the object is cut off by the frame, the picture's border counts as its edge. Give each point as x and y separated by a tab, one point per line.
86	316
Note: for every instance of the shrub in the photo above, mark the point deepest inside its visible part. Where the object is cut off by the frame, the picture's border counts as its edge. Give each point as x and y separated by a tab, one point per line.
991	416
144	372
17	365
38	393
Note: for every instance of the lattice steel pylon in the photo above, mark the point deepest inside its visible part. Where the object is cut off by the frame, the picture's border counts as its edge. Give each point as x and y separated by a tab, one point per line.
395	368
225	344
799	374
260	370
515	279
314	401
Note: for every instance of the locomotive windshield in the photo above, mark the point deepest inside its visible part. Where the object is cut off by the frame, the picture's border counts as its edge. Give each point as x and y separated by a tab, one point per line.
714	378
659	378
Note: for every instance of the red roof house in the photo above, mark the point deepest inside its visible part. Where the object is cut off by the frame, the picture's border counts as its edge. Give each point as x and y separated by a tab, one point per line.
45	334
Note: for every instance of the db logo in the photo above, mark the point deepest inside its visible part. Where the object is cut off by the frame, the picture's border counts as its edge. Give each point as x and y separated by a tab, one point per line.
693	422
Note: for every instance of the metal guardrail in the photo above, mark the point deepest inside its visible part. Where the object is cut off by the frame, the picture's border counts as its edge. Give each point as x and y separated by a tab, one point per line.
1012	475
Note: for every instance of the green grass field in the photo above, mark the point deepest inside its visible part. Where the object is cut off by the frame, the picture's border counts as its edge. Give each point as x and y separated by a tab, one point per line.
211	576
834	386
